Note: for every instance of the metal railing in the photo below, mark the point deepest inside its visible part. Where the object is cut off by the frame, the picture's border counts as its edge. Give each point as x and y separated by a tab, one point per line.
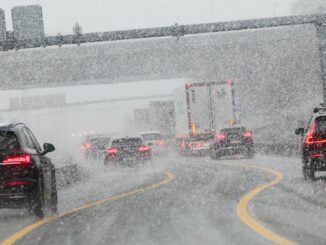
176	31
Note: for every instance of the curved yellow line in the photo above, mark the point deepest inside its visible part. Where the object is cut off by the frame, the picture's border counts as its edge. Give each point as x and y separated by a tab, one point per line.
20	234
242	207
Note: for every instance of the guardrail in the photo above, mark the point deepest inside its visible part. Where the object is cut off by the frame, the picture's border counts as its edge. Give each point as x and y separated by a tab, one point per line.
175	31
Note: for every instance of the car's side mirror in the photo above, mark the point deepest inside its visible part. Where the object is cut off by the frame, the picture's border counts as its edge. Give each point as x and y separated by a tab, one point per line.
47	147
299	131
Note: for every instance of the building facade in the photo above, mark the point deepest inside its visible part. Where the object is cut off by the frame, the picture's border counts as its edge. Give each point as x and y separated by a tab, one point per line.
2	26
27	22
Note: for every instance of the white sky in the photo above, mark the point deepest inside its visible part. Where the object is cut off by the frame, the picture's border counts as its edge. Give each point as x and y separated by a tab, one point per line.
108	15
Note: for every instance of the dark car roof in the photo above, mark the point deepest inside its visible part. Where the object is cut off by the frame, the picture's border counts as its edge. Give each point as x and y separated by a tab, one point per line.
230	128
10	126
127	138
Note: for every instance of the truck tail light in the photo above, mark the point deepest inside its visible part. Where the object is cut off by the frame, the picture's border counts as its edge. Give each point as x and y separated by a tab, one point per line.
22	159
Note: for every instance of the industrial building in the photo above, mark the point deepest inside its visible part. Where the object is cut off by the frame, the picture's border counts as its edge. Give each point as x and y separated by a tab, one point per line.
2	25
27	22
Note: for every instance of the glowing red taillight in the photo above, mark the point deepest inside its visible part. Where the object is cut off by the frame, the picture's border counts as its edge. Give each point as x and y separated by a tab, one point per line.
86	146
144	148
182	145
194	145
161	142
112	151
310	136
317	155
247	134
12	183
23	159
221	136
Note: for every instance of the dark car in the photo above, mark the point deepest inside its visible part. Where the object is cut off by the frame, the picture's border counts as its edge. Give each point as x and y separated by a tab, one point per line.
313	143
233	141
94	146
127	150
27	176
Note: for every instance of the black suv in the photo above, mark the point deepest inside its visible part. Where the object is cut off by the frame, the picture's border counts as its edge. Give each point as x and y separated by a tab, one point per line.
95	146
313	143
27	176
231	141
127	150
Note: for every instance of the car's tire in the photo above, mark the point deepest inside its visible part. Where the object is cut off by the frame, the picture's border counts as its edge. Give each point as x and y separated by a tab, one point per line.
214	155
250	153
308	173
106	162
35	202
54	196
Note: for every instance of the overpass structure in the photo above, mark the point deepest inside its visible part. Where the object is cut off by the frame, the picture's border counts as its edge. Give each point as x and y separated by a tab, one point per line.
16	73
278	64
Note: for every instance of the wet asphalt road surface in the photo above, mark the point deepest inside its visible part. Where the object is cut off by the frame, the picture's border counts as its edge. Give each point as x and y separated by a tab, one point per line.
197	207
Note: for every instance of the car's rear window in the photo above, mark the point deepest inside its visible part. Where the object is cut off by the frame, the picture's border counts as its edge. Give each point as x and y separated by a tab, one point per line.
233	131
321	124
100	140
152	136
127	142
8	141
200	137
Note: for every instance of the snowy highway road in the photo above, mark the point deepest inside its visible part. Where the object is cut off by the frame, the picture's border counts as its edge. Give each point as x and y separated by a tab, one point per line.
182	201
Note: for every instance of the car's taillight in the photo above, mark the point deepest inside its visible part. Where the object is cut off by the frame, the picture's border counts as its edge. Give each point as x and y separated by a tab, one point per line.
86	146
247	134
310	137
194	145
112	151
12	183
144	148
23	159
317	155
221	136
161	142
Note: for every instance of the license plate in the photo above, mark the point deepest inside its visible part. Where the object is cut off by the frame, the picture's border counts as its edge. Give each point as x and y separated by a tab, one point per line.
235	141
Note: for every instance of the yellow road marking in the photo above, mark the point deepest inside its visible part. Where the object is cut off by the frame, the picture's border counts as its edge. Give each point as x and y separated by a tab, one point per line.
20	234
242	207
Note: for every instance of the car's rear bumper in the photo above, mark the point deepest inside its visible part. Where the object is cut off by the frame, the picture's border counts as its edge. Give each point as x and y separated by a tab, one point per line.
318	162
233	150
138	157
14	196
199	151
